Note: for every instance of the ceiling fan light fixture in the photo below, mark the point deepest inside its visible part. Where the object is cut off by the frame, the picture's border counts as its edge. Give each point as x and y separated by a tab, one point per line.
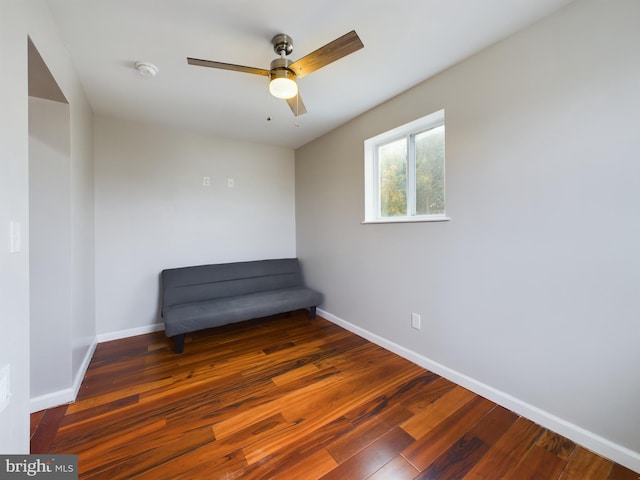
283	84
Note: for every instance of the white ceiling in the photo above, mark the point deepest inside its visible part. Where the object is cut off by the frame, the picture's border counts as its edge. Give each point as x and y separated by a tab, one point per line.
406	42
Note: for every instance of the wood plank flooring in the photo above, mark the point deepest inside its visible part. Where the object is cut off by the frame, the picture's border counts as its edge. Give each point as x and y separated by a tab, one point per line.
289	398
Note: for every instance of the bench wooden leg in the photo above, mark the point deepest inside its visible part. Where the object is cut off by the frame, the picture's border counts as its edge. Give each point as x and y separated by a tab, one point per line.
178	343
312	313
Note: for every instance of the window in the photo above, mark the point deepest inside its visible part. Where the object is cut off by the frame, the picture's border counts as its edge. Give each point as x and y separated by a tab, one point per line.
404	173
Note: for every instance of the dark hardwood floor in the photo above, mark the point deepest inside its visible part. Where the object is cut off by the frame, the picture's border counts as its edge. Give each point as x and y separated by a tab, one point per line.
290	398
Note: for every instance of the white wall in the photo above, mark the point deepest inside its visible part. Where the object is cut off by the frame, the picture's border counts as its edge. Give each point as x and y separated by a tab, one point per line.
14	201
71	247
153	212
49	246
529	294
18	20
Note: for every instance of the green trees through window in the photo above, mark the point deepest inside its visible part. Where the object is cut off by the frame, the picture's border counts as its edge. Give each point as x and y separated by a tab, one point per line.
411	174
430	171
404	172
392	161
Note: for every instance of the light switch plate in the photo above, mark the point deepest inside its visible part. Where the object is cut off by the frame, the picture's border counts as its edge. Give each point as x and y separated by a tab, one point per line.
5	392
15	232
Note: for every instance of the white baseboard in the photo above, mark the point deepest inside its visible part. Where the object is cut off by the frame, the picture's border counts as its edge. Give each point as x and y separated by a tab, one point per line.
131	332
50	400
581	436
66	395
77	382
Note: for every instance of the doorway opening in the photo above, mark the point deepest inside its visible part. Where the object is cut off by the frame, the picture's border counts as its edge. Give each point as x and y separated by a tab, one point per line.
50	239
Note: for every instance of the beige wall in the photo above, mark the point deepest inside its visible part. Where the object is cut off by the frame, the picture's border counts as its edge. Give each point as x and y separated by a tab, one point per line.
529	294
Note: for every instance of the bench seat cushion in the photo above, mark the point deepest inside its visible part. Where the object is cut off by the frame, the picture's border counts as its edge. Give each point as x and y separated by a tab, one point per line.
194	316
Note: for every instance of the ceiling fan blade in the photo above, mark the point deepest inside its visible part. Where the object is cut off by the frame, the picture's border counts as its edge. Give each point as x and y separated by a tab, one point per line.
332	51
297	105
227	66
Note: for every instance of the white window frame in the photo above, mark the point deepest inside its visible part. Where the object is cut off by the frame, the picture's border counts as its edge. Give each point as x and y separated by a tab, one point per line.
371	187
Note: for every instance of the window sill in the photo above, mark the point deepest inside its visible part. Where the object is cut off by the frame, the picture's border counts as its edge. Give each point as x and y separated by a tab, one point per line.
434	218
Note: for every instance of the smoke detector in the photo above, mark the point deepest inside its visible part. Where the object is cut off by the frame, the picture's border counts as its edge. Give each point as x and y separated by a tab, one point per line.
146	69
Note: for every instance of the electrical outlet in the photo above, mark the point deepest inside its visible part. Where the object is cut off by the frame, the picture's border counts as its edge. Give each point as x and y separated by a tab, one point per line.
415	321
206	181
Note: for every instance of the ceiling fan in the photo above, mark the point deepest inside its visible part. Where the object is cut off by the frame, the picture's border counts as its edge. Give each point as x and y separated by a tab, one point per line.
283	73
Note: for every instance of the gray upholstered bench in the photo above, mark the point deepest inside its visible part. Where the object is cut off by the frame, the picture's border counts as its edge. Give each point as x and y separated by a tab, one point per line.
205	296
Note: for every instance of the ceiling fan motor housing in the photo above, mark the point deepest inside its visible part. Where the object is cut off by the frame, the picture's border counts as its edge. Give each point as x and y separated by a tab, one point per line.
280	64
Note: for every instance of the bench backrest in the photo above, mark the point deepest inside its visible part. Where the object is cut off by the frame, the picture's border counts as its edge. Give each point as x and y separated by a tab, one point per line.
209	282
